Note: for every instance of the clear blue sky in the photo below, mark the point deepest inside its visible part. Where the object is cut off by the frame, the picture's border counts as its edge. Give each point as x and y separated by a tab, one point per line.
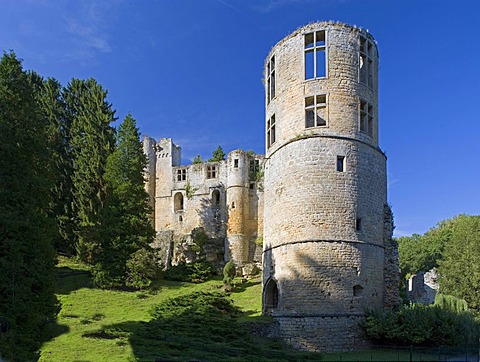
192	70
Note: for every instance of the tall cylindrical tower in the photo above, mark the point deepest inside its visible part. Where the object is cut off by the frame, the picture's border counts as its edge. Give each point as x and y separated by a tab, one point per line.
325	186
237	204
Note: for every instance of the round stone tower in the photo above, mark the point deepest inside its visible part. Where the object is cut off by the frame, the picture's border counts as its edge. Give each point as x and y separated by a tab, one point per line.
325	187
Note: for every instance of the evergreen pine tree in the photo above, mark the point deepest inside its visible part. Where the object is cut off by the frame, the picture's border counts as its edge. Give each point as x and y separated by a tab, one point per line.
217	155
27	299
91	141
125	228
52	105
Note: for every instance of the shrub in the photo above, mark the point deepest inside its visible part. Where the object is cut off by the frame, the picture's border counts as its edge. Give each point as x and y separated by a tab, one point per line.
422	325
196	272
229	272
142	269
450	302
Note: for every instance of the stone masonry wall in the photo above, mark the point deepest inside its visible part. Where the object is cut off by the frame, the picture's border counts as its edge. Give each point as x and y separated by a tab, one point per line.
323	225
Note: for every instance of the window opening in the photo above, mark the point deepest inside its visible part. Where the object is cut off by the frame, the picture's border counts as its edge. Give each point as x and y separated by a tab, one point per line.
315	55
271	131
233	204
357	290
366	117
235	163
180	218
252	185
316	111
254	165
271	79
178	201
358	224
340	163
271	295
216	198
366	62
211	171
181	174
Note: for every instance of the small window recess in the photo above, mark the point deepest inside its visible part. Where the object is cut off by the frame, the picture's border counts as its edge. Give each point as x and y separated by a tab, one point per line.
233	204
252	185
271	79
315	55
271	136
235	163
357	291
366	118
180	218
216	198
316	111
211	171
341	163
271	296
358	224
365	62
178	202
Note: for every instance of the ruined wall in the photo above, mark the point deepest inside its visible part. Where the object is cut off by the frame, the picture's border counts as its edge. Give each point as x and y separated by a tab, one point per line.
217	197
324	231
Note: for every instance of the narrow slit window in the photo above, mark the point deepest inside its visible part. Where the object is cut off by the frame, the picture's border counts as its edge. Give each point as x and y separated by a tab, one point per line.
271	137
358	224
235	163
316	111
340	163
315	55
216	198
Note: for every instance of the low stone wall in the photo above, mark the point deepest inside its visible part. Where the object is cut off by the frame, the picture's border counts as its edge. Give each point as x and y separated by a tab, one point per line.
323	333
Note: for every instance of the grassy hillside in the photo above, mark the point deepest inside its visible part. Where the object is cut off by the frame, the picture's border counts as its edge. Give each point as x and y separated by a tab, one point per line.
104	325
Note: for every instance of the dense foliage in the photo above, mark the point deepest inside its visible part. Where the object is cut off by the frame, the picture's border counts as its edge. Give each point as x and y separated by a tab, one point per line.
27	300
460	265
423	252
196	272
452	247
91	141
125	227
422	325
217	155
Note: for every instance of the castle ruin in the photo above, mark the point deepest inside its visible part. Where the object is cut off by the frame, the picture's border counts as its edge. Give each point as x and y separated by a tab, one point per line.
328	253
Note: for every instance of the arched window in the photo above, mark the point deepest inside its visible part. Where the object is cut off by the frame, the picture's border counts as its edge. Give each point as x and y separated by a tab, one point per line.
216	198
270	295
357	290
178	202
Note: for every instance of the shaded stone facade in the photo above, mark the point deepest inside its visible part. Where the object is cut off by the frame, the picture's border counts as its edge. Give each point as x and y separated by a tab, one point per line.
328	251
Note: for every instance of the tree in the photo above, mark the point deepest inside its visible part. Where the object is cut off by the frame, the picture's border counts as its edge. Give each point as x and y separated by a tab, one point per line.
197	159
52	106
92	141
423	252
27	299
125	223
460	266
218	155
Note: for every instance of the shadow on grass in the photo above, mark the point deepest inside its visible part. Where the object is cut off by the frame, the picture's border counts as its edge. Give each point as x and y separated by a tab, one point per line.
69	279
199	326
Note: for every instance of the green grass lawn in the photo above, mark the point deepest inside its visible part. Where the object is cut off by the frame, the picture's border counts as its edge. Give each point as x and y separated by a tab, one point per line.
87	312
106	325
